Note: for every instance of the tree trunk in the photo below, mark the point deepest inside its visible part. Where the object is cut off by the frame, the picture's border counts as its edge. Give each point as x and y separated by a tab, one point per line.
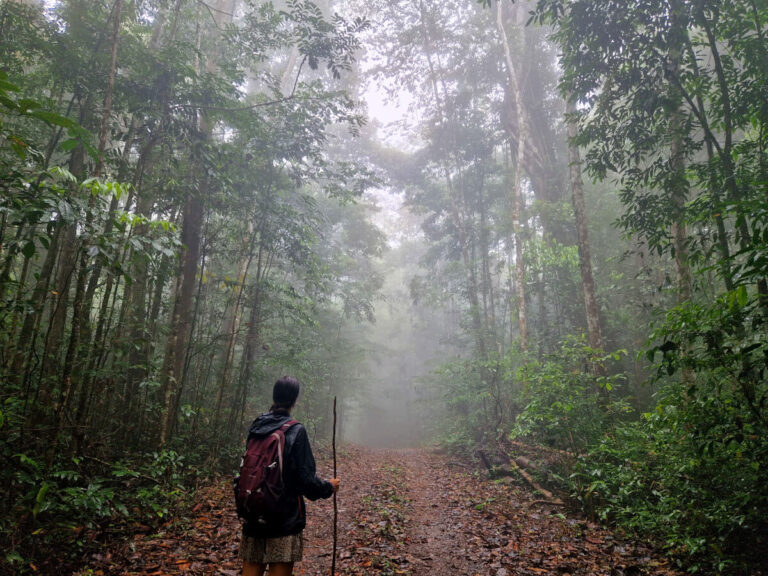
173	363
594	333
522	140
678	183
80	313
454	194
191	232
232	324
489	308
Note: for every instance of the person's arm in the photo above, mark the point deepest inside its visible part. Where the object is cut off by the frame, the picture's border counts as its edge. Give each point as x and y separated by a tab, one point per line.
307	481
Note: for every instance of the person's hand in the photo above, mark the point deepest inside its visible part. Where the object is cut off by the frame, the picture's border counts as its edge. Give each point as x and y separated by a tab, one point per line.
335	483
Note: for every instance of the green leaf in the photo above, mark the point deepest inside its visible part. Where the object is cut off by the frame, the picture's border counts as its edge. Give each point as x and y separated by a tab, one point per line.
29	250
65	209
19	148
14	558
53	118
5	85
40	498
741	296
68	145
7	102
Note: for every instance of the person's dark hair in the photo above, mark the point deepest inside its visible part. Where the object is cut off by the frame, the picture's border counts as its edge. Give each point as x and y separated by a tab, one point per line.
284	393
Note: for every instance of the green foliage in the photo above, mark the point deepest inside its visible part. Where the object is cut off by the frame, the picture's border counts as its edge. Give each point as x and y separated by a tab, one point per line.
77	500
567	402
691	474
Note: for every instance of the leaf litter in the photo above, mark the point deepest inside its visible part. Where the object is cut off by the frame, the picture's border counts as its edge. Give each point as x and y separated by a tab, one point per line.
401	512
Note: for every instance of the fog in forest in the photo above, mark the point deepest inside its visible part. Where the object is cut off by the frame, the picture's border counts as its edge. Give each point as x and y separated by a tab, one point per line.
533	230
397	405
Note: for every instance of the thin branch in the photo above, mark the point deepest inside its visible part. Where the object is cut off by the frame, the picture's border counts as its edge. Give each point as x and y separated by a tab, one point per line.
291	96
211	10
251	107
699	114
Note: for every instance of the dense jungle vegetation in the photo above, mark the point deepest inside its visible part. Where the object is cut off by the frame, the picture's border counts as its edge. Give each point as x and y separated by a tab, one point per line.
558	239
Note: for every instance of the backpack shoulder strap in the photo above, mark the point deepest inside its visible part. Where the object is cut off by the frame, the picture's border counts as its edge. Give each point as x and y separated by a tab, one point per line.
280	434
288	424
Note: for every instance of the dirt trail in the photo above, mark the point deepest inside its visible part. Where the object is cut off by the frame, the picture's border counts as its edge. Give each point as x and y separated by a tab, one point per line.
438	542
400	512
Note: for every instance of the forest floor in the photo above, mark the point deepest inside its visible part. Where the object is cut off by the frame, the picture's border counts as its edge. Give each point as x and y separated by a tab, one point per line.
408	512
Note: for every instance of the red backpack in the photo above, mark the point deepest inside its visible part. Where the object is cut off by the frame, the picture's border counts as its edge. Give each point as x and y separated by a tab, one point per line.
259	487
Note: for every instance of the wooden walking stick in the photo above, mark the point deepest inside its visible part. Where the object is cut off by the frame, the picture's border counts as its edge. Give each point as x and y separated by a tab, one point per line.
335	506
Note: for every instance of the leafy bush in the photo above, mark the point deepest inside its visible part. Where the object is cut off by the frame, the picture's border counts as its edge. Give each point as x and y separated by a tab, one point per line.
687	475
693	472
76	500
568	403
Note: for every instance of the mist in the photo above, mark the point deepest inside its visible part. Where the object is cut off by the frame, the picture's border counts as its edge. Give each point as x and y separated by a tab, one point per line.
534	231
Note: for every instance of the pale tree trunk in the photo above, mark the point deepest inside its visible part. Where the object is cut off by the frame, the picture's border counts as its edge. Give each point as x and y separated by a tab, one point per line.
454	196
594	333
20	289
678	188
489	307
522	141
288	79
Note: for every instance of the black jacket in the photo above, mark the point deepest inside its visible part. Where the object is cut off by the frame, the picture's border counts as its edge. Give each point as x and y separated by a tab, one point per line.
299	475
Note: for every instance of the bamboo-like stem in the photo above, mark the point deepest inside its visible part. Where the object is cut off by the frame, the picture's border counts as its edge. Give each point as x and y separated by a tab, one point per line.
335	506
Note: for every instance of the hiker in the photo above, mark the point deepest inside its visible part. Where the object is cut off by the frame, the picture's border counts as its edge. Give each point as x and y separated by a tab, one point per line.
277	542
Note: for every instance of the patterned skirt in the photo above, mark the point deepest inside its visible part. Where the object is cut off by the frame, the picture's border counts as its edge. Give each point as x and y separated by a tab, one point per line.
272	550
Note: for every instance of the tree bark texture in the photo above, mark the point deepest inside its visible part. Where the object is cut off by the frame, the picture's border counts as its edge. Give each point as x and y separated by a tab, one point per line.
522	139
594	332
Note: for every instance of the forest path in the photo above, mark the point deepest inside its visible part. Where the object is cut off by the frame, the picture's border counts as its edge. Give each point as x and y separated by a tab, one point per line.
407	512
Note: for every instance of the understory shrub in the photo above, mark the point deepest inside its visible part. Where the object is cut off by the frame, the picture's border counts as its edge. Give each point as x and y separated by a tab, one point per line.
71	505
693	474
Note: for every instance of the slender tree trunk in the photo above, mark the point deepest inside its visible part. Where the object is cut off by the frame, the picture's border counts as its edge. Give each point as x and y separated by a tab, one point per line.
594	332
173	364
10	258
22	349
678	183
714	192
60	300
80	314
522	141
109	226
487	278
254	327
726	156
11	335
61	259
232	325
136	309
454	194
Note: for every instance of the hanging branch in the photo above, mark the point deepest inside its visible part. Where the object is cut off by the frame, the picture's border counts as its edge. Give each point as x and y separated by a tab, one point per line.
335	505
